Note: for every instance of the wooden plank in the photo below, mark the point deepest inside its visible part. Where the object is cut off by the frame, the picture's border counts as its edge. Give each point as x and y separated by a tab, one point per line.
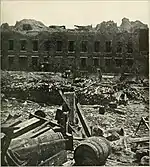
40	132
68	163
64	99
146	123
139	140
16	122
32	133
26	123
42	122
78	138
83	120
51	123
80	115
26	126
70	98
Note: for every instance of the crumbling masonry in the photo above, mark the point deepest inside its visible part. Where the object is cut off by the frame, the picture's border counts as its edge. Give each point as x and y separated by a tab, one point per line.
29	44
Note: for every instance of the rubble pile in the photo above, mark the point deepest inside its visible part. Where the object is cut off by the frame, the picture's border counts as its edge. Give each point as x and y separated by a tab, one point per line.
41	87
126	26
107	106
99	94
23	108
30	25
131	26
30	86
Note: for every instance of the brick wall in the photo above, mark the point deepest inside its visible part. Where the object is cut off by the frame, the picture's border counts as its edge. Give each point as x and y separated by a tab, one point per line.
112	61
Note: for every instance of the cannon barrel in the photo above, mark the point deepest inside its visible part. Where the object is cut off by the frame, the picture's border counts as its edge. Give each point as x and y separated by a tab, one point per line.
35	151
92	151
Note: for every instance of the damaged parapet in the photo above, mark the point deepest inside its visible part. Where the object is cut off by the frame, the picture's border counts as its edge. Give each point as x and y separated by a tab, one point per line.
88	27
57	27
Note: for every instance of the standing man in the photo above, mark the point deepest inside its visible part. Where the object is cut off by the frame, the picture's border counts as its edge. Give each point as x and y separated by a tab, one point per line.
99	74
137	73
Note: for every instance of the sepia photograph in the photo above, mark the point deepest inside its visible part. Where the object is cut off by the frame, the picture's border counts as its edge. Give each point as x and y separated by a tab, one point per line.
74	83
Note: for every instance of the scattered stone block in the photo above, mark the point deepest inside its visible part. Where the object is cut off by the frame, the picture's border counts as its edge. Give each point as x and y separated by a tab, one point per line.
101	109
113	105
140	153
145	161
119	111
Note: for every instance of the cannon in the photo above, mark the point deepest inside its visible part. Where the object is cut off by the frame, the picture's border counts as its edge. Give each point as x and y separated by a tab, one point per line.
34	142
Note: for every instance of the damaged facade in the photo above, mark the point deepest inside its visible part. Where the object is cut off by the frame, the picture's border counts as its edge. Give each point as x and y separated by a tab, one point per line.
30	43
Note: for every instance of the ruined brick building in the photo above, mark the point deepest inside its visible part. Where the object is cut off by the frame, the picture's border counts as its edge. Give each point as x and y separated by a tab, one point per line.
114	49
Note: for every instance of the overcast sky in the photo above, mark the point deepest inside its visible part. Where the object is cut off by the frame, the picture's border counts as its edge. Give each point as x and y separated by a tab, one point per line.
69	13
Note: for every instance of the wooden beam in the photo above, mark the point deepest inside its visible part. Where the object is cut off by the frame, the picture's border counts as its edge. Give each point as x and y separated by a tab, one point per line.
83	120
51	123
64	99
143	121
70	98
139	140
26	126
146	123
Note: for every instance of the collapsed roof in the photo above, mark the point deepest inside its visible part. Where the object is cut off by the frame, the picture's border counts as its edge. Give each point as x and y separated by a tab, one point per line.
33	27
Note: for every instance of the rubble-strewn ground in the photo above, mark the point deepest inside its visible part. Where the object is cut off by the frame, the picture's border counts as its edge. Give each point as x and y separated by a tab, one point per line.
22	93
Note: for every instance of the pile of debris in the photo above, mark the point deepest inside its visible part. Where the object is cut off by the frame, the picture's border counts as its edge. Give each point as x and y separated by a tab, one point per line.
28	86
113	105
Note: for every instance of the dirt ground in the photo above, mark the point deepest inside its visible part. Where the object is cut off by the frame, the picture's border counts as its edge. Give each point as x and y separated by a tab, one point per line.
26	102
